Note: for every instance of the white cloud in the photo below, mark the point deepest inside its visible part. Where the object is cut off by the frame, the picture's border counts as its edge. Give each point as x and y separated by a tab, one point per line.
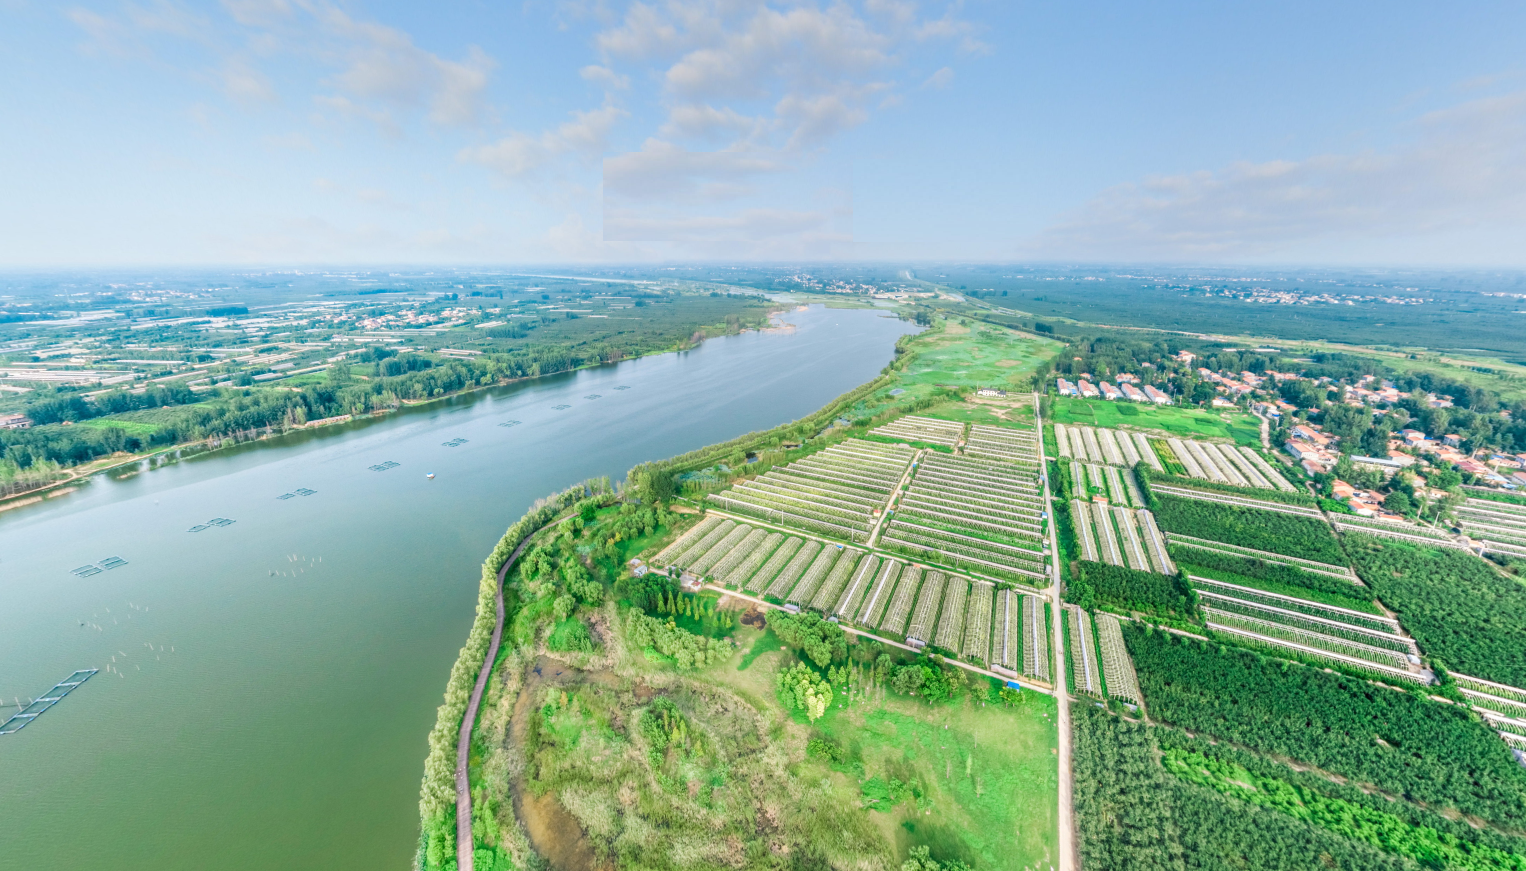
940	79
1465	169
605	76
244	84
382	63
519	154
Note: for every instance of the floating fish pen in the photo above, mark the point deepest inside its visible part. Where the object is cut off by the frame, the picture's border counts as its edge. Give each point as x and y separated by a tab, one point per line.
382	467
107	564
453	443
509	423
19	720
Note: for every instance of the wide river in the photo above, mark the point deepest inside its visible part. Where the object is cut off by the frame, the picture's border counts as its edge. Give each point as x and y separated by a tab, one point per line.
272	681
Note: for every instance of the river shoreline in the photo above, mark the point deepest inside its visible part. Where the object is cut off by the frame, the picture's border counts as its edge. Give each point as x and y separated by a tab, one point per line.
200	447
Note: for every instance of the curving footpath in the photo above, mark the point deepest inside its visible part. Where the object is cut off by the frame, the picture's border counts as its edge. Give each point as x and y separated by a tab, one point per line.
465	844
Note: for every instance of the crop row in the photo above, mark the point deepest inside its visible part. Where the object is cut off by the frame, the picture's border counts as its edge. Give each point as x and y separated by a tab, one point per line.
1292	635
805	589
922	429
1288	617
793	570
685	541
1083	653
920	630
857	589
1007	639
1303	538
1035	637
877	600
951	617
1155	543
813	523
1117	667
1080	515
1227	499
977	627
1106	537
1304	606
1133	549
1245	636
960	557
1398	531
776	563
832	589
702	565
1484	686
689	555
738	574
1002	444
901	601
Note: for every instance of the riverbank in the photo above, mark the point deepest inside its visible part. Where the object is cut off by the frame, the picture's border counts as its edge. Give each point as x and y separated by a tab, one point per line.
198	447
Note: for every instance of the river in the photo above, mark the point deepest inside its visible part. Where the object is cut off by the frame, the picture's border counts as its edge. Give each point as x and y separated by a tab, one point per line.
272	681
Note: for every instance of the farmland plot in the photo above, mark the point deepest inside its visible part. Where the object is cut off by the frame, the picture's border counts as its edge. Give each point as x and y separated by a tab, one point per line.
832	588
811	581
1133	550
972	516
1274	638
880	593
1219	547
899	610
1128	447
1233	499
1078	481
1080	512
836	492
976	646
1290	535
1235	465
1106	538
1083	653
701	565
737	575
1188	461
1284	634
695	534
1035	638
793	571
1062	440
1267	470
859	583
1117	493
776	563
1003	445
1385	640
1400	531
1500	525
1110	450
688	556
1093	447
1007	638
913	428
1154	543
736	550
950	629
1147	452
1117	665
924	615
1225	590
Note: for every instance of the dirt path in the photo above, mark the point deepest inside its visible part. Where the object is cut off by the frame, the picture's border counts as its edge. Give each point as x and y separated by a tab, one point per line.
464	840
1068	858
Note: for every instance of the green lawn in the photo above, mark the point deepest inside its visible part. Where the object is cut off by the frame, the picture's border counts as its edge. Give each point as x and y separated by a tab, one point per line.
1241	426
987	775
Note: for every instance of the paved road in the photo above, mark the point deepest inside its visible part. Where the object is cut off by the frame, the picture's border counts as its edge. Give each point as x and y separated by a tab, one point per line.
464	840
1068	858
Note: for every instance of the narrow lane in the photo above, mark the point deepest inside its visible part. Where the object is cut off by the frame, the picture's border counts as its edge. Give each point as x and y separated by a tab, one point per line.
1068	860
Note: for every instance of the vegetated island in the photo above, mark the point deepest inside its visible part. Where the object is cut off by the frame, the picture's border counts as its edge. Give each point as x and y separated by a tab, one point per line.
813	687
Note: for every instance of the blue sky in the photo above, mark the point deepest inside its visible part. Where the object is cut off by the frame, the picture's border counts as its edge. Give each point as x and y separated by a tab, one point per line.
286	132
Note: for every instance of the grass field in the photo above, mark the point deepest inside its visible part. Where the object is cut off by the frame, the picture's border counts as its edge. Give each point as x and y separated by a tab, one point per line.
1240	426
966	357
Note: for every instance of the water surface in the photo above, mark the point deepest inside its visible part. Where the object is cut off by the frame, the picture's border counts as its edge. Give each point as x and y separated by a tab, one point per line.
278	719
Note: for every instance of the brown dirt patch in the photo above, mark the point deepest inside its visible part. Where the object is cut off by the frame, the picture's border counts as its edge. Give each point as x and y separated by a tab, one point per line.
754	618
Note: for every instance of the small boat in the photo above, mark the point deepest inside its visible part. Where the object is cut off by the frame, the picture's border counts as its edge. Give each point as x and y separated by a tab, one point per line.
430	476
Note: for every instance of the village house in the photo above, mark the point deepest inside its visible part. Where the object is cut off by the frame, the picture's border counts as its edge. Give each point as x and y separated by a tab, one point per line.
1066	388
1088	389
1110	392
15	421
1156	396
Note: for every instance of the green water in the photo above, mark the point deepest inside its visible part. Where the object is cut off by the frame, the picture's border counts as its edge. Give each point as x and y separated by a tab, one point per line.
312	637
